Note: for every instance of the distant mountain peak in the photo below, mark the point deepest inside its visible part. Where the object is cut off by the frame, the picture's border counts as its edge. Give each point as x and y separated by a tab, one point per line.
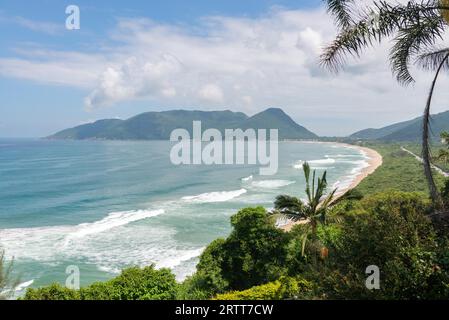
407	130
275	110
158	125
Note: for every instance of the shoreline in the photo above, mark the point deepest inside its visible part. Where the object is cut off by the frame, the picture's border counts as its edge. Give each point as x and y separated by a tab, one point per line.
374	161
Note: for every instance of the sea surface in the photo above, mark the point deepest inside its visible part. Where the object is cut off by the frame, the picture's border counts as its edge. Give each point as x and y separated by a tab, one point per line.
105	205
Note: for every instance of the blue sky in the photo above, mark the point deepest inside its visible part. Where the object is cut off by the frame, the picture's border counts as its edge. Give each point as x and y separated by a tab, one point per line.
135	56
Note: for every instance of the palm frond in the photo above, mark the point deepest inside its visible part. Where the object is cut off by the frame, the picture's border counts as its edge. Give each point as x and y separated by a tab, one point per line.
341	10
291	207
379	22
306	169
431	60
408	44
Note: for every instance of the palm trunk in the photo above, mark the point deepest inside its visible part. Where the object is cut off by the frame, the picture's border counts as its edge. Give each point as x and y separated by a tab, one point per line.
426	154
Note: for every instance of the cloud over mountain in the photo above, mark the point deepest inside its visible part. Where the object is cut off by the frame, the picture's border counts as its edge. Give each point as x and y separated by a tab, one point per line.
240	63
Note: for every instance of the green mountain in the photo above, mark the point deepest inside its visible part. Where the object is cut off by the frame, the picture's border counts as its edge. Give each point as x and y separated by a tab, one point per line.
159	125
275	118
407	130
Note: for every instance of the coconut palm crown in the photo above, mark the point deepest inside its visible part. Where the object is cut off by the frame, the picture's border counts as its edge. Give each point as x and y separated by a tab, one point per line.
314	211
316	208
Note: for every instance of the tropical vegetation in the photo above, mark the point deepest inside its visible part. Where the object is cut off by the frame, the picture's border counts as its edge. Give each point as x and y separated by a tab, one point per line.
315	211
132	284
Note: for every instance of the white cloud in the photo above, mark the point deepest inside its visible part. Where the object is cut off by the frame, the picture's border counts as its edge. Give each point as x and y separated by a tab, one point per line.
310	39
211	93
37	26
245	64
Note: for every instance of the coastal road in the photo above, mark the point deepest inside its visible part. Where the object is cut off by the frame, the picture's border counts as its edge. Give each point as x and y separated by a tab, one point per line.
437	169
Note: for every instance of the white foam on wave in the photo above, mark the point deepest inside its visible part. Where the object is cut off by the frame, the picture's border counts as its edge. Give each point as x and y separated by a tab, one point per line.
344	184
342	156
15	292
347	181
299	164
109	269
321	168
219	196
113	220
111	251
45	243
24	285
174	261
246	179
271	184
361	164
315	164
322	161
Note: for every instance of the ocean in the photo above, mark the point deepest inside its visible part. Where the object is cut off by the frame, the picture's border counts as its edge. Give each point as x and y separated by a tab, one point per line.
106	205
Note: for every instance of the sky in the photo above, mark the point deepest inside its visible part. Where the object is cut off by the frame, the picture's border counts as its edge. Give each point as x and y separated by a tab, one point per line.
134	56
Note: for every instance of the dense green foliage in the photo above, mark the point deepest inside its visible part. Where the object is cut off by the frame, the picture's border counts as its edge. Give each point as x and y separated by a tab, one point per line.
399	171
390	231
284	288
132	284
255	252
52	292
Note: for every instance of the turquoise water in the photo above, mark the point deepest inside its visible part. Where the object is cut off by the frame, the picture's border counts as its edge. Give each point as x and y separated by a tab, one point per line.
105	205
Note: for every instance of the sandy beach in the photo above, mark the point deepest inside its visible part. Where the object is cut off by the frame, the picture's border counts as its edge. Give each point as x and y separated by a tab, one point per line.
374	160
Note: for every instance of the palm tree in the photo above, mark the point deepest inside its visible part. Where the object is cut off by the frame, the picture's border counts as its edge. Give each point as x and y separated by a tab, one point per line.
314	211
415	28
7	285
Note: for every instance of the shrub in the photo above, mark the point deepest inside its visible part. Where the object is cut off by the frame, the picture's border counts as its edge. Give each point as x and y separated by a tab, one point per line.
99	291
52	292
209	279
284	288
144	284
394	234
256	250
254	253
132	284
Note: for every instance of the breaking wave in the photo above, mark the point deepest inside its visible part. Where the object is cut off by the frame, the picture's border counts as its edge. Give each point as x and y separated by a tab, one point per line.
219	196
